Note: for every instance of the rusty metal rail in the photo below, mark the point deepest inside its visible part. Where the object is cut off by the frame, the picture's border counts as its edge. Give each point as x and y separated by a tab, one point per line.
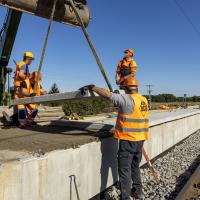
191	190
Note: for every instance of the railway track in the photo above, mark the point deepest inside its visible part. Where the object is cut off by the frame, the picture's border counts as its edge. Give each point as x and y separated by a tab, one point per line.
179	169
191	190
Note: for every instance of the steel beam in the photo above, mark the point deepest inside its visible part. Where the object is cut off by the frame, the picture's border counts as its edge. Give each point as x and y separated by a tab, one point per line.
50	98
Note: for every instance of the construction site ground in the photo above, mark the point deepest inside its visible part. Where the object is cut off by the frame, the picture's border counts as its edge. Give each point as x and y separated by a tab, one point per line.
37	140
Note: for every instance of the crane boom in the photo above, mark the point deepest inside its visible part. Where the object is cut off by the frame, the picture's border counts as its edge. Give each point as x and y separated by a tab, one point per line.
7	40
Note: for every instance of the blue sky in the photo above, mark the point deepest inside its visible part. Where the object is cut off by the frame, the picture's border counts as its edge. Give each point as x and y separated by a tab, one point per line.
167	48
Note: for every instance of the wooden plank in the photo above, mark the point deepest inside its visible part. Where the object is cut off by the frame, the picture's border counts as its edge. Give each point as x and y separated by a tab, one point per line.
50	98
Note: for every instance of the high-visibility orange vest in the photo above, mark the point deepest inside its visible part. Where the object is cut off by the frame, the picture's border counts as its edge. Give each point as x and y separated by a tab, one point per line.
30	87
126	67
17	79
134	126
30	90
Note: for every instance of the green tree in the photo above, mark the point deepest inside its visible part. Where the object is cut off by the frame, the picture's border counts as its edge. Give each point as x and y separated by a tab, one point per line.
54	89
88	106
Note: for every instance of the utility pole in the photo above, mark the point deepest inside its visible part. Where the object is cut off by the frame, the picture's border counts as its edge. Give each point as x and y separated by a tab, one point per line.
185	98
149	90
9	71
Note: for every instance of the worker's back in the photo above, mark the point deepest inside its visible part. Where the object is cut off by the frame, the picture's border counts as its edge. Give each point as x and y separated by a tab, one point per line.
132	122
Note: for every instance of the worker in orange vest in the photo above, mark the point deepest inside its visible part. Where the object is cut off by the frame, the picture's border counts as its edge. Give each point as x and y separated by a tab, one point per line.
22	71
27	113
127	67
132	129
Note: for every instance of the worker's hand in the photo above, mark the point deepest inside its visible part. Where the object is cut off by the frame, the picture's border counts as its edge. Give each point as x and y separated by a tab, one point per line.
89	87
85	88
116	92
122	79
33	94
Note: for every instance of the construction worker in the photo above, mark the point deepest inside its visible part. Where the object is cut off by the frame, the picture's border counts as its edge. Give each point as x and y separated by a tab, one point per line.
27	113
126	67
132	129
22	71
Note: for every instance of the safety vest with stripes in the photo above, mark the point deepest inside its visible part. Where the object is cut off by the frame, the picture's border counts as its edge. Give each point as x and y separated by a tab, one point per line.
134	126
17	79
30	87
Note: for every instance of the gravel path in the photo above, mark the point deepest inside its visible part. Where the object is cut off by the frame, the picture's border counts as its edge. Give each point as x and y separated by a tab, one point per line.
175	168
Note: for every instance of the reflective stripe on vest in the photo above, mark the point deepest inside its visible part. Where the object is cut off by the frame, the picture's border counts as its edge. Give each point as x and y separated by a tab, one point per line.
131	130
17	79
124	119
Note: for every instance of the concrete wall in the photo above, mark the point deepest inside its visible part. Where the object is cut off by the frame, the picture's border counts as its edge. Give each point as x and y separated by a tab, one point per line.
85	171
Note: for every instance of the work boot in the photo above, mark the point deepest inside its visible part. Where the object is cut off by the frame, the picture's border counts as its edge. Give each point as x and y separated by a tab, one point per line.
31	122
139	196
22	123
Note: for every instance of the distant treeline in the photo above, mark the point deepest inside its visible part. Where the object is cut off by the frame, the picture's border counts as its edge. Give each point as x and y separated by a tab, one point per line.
172	98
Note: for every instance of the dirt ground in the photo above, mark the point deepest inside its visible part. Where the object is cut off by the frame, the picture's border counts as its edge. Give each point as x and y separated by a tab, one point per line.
42	139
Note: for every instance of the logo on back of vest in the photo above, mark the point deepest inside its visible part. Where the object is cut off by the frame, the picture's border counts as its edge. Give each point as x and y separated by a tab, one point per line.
143	107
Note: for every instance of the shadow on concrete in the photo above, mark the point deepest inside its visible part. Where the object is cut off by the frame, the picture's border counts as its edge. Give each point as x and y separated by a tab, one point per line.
109	149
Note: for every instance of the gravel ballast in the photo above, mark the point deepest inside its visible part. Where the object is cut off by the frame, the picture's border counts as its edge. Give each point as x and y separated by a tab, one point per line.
175	169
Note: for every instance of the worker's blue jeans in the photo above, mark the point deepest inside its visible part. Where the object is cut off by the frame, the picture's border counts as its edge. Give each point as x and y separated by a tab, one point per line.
129	158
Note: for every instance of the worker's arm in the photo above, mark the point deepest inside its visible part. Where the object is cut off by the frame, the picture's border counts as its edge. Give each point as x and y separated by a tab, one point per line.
116	77
22	75
118	72
117	99
25	92
42	92
133	67
102	92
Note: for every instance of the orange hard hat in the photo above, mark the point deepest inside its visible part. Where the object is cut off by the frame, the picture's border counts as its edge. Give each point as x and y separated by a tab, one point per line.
130	51
131	82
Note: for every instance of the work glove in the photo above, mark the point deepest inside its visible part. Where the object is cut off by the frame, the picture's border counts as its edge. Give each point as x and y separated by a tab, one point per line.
33	94
116	92
122	79
84	89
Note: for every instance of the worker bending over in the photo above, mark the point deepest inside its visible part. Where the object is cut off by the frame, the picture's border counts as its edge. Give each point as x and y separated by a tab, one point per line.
27	113
126	67
22	72
132	129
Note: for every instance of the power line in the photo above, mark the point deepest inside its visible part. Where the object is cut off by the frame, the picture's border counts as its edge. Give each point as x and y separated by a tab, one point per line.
180	7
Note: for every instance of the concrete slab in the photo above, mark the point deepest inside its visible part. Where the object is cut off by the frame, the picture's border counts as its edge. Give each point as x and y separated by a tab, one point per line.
107	123
51	163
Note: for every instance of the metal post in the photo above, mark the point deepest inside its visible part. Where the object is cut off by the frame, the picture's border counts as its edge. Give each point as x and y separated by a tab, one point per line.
149	93
185	98
90	44
9	71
